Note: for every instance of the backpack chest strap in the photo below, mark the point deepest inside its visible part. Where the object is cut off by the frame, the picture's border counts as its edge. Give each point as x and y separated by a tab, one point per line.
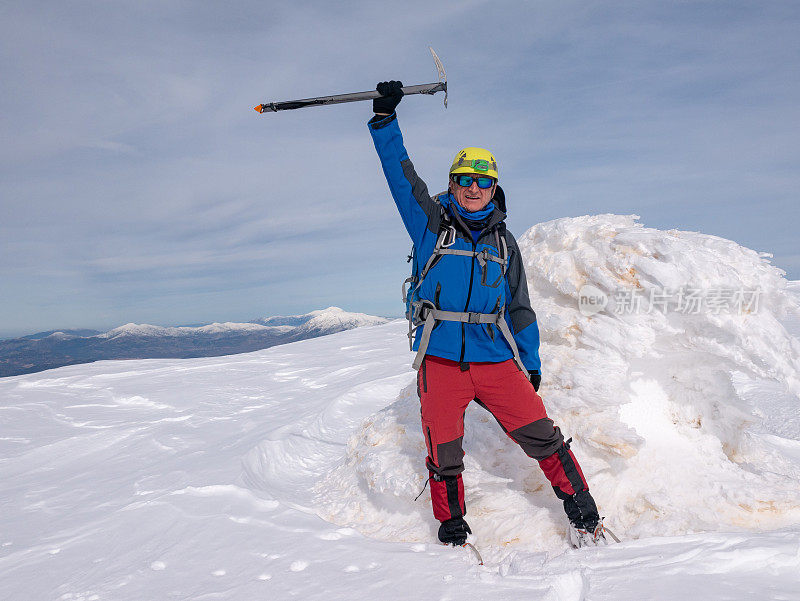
483	257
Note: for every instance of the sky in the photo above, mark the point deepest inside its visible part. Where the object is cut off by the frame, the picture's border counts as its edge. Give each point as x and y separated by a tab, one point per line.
137	184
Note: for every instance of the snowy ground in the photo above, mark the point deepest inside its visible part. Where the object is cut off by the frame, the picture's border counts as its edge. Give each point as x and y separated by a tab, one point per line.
291	472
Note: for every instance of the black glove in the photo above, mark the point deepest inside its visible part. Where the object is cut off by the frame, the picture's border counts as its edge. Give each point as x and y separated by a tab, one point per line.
391	94
536	379
454	531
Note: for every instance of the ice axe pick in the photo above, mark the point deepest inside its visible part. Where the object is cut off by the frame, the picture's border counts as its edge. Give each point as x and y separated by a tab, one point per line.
425	88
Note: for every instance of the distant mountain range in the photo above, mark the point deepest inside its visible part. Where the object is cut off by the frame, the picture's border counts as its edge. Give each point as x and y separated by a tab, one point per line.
56	348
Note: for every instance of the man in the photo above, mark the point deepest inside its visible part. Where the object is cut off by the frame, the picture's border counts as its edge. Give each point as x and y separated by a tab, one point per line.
476	334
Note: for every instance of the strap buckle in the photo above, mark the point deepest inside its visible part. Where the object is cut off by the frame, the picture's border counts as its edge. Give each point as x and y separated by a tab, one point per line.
425	307
473	317
410	280
449	237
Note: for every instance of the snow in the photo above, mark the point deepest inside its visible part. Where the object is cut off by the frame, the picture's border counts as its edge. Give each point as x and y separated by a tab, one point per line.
223	328
334	317
322	320
329	319
292	471
133	329
60	335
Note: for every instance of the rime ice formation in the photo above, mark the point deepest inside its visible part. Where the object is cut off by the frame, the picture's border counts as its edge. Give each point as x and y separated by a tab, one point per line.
680	417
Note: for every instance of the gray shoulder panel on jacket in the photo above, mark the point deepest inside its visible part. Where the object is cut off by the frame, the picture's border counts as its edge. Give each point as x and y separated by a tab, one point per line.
420	191
519	305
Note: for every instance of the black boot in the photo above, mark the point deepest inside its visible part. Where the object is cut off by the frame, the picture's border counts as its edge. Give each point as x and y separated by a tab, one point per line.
454	531
582	511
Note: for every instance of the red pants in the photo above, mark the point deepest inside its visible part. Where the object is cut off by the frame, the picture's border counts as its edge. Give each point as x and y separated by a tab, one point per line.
445	391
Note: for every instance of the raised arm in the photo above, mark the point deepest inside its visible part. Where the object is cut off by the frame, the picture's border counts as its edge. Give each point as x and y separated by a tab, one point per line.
417	209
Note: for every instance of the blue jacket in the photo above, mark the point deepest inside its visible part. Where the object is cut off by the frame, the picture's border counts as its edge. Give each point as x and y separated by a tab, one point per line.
457	283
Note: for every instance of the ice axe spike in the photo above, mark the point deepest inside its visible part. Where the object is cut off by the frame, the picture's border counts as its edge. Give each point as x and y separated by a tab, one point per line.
425	88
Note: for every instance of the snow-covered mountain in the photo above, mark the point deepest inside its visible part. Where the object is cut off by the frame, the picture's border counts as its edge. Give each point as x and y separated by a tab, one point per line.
142	341
292	471
135	330
63	333
332	319
335	321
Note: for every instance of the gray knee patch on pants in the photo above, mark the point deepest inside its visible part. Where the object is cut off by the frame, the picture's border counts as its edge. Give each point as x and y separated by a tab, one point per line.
451	458
539	439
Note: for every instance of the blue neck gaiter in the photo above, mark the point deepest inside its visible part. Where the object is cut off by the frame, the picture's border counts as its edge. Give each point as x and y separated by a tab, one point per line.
477	216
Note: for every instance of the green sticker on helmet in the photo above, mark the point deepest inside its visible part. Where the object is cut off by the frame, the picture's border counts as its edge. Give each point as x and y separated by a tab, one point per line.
480	165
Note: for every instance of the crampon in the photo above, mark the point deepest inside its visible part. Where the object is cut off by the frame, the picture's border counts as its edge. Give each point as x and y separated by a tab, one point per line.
584	537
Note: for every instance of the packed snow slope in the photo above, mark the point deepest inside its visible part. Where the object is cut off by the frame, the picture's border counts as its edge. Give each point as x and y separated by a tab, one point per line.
292	471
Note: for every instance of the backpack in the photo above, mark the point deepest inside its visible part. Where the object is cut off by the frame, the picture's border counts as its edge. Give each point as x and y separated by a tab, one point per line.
424	313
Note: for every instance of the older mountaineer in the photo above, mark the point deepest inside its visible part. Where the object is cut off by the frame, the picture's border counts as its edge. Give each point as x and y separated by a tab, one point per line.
476	334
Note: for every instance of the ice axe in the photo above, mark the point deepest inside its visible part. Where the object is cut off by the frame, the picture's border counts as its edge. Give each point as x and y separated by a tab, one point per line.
425	88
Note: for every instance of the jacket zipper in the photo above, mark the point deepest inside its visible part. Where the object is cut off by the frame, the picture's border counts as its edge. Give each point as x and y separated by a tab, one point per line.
469	295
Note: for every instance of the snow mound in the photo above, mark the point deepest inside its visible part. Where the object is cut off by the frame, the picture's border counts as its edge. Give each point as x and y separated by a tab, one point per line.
683	420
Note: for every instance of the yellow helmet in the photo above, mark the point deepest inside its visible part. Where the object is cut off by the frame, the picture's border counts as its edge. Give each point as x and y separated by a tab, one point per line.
474	160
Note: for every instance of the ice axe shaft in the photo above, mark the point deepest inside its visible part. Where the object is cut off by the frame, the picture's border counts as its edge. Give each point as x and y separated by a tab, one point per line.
271	107
425	88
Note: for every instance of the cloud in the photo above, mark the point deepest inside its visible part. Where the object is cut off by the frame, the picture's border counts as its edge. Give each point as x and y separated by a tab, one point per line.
134	173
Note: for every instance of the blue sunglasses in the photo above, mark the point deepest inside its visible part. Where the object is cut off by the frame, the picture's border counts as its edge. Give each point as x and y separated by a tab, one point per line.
465	181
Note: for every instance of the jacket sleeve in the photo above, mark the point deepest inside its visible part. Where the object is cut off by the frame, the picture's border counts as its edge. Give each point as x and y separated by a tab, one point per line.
417	209
519	314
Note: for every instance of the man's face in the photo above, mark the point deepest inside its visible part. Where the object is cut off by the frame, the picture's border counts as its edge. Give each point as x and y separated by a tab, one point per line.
472	198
